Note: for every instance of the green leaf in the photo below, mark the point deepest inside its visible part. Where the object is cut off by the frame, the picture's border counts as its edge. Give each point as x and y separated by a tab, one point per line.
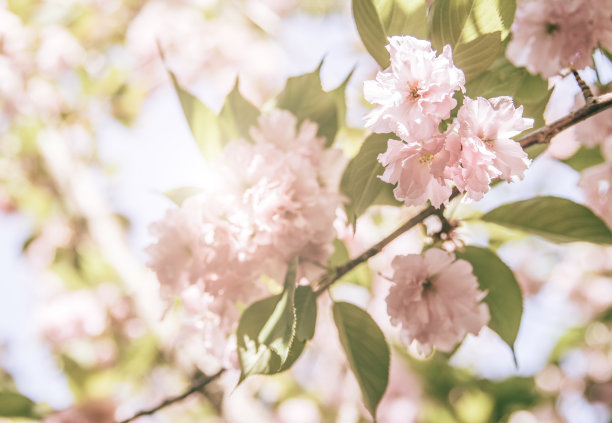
584	158
360	182
474	57
366	351
503	78
237	116
305	98
202	122
504	296
267	329
339	95
556	219
13	404
404	17
306	318
473	28
178	195
371	31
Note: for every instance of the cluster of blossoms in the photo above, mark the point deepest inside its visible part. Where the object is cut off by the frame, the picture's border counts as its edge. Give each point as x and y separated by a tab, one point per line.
435	299
550	35
413	96
277	202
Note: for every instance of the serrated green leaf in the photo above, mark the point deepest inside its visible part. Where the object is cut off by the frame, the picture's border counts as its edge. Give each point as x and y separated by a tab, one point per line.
266	330
303	95
202	122
504	296
403	17
556	219
237	116
360	182
306	318
178	195
366	351
371	31
584	158
13	404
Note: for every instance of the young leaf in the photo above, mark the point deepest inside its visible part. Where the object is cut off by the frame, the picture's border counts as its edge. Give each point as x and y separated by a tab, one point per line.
267	330
556	219
584	158
360	182
504	296
237	116
371	31
366	351
13	404
305	98
202	122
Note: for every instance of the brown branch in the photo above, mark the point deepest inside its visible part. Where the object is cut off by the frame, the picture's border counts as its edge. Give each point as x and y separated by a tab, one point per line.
195	388
545	133
586	90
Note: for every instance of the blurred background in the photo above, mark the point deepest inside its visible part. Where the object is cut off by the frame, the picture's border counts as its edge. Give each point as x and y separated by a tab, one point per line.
91	137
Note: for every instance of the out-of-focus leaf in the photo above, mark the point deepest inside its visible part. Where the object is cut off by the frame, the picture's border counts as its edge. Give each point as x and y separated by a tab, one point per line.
366	351
504	296
556	219
584	158
305	98
237	116
13	404
267	330
371	31
360	182
202	121
404	17
178	195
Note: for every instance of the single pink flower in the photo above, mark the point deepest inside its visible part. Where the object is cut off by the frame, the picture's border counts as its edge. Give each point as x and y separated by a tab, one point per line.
487	151
418	169
415	92
550	35
435	299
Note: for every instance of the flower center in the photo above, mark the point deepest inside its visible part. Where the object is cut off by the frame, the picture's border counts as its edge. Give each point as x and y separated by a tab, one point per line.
426	158
551	27
413	92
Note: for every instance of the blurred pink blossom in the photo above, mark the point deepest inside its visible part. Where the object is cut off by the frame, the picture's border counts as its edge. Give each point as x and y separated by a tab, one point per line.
435	299
550	35
595	182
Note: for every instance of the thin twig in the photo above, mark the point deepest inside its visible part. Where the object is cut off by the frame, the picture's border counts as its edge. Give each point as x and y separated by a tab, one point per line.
545	133
586	90
195	388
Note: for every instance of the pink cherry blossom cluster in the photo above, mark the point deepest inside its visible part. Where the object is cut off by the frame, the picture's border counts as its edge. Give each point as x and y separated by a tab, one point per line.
435	299
550	35
276	202
413	96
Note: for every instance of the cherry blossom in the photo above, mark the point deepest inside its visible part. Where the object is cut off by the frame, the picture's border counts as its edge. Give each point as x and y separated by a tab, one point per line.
487	151
435	299
550	35
595	182
415	92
